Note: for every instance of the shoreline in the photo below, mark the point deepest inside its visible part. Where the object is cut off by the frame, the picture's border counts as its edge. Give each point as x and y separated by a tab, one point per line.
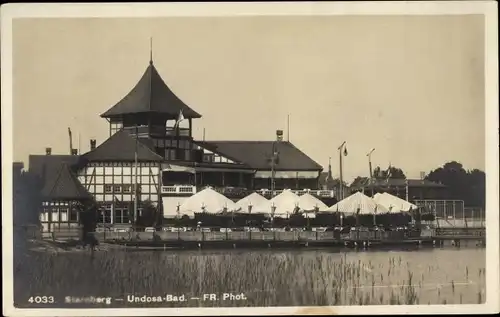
179	246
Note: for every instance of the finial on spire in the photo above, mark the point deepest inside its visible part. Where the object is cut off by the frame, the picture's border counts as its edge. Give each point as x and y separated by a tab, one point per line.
151	50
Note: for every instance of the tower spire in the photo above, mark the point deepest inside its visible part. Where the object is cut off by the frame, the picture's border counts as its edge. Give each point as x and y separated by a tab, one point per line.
151	50
330	168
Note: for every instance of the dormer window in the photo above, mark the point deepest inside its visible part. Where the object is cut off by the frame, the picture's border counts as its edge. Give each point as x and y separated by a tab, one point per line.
208	158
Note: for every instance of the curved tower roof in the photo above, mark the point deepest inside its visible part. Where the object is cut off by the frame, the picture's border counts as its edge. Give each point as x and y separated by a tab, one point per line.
151	95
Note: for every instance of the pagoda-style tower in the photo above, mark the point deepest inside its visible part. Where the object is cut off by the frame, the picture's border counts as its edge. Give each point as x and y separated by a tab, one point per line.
152	111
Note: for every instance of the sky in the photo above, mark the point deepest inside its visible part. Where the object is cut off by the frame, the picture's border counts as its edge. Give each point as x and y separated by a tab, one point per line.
412	87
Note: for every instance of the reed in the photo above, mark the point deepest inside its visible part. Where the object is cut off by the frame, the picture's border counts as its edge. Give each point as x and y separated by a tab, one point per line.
267	279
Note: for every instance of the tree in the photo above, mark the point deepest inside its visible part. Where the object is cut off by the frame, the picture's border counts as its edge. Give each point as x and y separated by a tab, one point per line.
395	173
149	215
469	186
358	180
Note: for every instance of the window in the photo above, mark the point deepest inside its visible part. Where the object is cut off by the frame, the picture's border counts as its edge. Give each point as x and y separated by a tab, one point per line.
171	154
108	189
121	216
126	188
117	189
208	158
73	215
54	215
105	215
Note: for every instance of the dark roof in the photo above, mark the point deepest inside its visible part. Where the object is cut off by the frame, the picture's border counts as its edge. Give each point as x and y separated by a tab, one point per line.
121	147
151	95
365	182
64	186
48	165
257	154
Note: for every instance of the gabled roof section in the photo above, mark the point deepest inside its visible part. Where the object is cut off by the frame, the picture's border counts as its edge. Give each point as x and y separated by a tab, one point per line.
64	186
257	154
121	147
48	165
151	95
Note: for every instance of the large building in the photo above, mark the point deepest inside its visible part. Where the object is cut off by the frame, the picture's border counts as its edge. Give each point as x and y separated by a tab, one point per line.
153	127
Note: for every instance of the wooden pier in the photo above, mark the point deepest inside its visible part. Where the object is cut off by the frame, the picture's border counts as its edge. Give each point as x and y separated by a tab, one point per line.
292	240
282	239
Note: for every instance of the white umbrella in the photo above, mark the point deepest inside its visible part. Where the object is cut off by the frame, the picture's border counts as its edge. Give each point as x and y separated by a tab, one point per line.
393	203
365	204
250	201
284	203
207	200
308	202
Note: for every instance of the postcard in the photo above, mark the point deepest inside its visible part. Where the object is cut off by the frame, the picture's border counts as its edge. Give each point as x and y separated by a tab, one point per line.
250	158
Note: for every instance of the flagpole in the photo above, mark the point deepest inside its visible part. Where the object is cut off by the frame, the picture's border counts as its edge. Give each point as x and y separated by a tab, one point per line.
272	169
370	167
341	188
135	175
407	193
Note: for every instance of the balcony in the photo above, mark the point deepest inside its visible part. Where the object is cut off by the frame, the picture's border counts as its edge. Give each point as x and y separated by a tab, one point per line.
160	131
178	190
241	192
315	192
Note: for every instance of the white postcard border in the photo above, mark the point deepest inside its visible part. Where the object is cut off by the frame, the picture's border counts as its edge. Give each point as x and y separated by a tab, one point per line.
488	8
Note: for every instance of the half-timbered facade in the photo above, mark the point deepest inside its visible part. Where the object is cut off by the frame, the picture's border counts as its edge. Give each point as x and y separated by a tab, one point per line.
151	145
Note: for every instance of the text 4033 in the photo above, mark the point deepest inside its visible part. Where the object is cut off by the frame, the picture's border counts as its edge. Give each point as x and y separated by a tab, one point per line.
41	299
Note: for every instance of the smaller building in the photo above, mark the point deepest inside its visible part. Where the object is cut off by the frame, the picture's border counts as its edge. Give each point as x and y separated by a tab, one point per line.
411	189
63	199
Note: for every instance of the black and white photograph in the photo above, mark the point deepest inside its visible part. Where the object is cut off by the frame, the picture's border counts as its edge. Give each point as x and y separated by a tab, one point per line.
250	158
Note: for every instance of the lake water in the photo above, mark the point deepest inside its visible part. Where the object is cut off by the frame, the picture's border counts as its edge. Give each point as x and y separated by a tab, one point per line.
265	277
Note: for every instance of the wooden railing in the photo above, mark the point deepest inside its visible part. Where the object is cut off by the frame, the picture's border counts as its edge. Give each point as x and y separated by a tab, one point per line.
252	236
462	232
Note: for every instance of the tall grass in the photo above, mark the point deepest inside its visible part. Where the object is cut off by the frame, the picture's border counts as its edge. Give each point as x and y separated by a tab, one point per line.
266	278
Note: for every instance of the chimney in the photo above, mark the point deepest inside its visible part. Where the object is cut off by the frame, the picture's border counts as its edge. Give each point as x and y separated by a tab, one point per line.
48	151
422	175
92	144
74	151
